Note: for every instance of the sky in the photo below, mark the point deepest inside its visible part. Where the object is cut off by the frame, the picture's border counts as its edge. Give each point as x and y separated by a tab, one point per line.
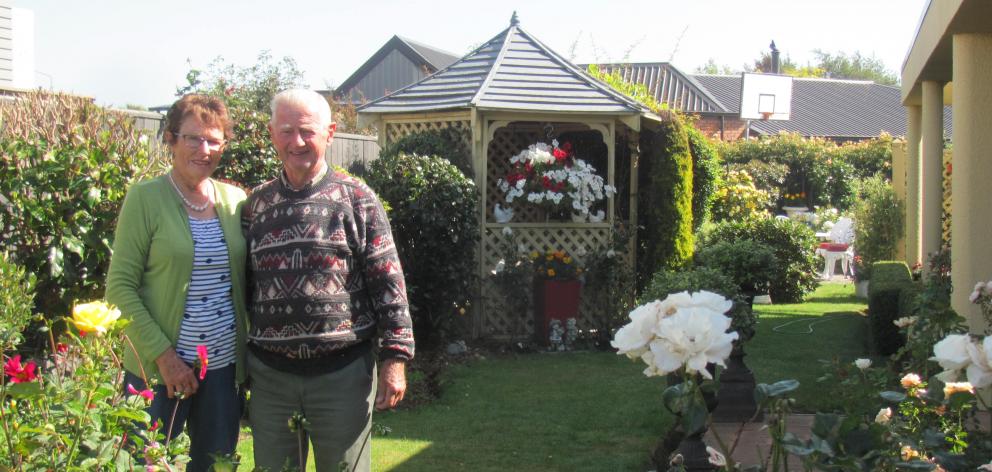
138	51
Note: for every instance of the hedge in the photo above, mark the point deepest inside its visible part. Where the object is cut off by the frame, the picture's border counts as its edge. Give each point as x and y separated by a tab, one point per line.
889	295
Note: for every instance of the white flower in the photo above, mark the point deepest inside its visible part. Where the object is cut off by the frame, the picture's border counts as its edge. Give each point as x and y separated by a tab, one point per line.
715	458
507	231
884	416
632	339
986	467
598	217
910	380
862	363
905	321
522	249
952	352
499	267
581	251
692	337
980	369
143	139
610	253
711	301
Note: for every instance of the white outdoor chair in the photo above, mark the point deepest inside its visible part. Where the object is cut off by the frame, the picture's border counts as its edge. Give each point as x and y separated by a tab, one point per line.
840	247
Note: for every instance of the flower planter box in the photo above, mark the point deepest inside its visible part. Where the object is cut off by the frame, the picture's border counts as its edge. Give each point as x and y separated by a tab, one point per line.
554	300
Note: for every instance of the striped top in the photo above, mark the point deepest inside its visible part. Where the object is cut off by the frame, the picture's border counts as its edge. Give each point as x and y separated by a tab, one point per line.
209	315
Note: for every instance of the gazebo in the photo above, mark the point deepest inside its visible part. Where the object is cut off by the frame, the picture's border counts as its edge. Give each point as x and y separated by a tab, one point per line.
511	92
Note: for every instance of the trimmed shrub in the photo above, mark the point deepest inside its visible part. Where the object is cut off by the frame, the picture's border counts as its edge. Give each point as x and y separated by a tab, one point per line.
751	265
889	298
667	282
706	173
63	175
435	224
16	302
446	143
665	205
793	244
769	177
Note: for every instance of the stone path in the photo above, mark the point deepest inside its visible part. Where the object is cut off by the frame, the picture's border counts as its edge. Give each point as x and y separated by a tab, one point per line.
751	444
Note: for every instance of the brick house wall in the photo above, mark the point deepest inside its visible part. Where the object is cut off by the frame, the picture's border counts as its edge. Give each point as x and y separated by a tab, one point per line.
726	128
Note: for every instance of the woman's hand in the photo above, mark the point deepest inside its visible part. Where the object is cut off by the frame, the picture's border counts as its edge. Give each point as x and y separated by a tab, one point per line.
176	375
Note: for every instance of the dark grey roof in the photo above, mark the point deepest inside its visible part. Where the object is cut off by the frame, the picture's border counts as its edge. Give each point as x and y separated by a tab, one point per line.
420	54
511	71
434	56
826	107
668	85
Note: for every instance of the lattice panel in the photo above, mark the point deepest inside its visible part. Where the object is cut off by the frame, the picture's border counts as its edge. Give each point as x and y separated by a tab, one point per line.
496	322
396	130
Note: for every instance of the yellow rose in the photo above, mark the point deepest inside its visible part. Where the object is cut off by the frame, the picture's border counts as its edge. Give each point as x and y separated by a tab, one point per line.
908	453
567	260
551	272
94	317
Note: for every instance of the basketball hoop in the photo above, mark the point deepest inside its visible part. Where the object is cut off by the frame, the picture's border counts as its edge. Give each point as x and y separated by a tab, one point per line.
765	115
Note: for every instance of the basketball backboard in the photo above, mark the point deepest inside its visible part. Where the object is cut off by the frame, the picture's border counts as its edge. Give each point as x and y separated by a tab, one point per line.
766	96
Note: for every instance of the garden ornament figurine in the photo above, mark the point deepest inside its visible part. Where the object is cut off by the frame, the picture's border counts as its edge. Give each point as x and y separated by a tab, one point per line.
178	274
555	333
328	294
571	333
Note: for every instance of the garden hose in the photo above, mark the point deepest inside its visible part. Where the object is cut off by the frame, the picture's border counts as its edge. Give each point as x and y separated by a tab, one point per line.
809	327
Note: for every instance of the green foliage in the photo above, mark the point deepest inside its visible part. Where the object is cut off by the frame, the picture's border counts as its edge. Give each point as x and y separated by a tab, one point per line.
665	200
74	415
767	176
435	224
666	282
869	157
16	302
446	143
878	218
805	158
609	285
706	172
63	175
249	158
638	92
792	243
891	285
751	265
737	199
854	66
251	87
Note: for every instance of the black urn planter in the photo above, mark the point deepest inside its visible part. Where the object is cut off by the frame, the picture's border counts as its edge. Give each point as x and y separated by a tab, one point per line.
691	447
736	393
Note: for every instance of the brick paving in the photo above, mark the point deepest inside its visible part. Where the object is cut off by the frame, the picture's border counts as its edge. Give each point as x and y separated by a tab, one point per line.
750	444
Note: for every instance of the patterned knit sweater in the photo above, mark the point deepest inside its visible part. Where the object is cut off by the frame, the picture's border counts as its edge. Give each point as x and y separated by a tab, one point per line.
324	276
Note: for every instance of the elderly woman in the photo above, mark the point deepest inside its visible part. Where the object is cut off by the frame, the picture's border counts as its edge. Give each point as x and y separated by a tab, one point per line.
178	274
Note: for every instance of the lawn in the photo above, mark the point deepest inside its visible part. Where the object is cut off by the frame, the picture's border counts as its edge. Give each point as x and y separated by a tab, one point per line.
594	411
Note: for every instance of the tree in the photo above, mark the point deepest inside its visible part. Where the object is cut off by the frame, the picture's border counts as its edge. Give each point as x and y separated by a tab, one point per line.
251	87
854	66
786	66
712	68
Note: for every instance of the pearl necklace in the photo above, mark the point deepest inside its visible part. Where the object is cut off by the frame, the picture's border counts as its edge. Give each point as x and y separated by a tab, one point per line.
188	203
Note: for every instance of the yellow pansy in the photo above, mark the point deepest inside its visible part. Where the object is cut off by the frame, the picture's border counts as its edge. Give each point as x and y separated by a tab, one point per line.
94	317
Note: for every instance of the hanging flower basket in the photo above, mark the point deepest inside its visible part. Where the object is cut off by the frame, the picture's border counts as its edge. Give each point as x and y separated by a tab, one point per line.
552	177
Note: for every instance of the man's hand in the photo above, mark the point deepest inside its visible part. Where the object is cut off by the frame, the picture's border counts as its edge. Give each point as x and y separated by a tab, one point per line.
392	384
176	375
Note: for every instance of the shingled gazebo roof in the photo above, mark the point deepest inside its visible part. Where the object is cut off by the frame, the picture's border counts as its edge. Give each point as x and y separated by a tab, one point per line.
511	71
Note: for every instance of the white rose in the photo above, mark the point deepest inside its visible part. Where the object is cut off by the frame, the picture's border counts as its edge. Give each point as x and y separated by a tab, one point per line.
884	416
952	352
862	363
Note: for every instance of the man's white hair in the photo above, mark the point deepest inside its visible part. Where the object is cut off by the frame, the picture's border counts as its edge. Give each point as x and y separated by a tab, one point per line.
306	99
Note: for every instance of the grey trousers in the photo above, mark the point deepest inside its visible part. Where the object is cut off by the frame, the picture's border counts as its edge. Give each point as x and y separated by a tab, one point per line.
337	408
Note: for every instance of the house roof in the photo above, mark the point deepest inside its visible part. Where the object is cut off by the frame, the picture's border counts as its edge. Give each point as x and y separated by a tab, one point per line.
668	85
418	53
511	71
826	107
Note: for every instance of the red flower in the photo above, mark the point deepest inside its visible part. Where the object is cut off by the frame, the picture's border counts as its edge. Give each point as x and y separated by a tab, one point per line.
567	147
560	154
61	348
20	373
201	354
546	182
529	167
147	394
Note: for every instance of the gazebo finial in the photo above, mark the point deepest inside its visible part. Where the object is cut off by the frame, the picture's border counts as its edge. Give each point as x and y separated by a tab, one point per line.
514	21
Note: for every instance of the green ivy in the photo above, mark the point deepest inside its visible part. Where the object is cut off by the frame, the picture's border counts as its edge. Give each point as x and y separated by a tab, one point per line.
435	223
706	173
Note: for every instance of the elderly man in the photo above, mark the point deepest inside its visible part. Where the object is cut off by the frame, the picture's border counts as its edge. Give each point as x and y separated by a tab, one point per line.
327	294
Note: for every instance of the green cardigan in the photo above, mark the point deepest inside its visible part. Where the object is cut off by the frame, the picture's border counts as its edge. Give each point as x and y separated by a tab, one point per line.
152	264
